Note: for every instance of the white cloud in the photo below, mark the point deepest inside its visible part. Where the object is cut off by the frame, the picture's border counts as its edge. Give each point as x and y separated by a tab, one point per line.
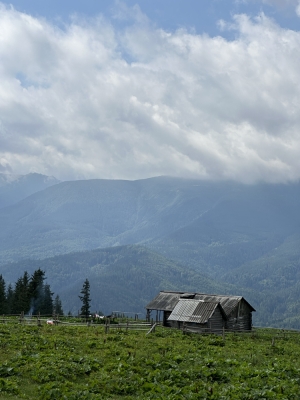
94	101
281	3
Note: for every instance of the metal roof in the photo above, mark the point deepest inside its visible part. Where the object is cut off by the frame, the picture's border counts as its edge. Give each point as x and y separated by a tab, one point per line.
188	310
228	303
166	301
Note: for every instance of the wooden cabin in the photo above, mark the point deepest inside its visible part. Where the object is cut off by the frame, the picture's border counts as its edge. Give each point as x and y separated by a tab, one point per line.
203	312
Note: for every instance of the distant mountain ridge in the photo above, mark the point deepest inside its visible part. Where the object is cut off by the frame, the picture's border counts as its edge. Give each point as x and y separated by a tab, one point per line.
181	218
6	178
14	188
80	215
243	234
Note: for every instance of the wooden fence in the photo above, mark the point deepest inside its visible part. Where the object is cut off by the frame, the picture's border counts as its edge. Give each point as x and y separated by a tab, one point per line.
127	324
109	324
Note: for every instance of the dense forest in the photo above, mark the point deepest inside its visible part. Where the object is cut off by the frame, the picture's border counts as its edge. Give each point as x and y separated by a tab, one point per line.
30	294
126	278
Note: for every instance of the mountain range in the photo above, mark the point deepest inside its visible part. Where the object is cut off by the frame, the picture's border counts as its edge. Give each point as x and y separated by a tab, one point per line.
243	238
14	188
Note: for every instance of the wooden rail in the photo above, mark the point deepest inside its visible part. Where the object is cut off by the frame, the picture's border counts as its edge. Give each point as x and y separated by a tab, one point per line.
109	324
137	325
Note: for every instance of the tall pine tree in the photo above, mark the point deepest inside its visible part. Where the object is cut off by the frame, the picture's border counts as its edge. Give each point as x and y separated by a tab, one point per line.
9	298
85	298
21	300
3	300
46	303
28	295
57	306
36	290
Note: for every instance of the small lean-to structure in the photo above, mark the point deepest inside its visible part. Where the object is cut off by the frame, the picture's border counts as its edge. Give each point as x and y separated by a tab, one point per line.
202	312
198	315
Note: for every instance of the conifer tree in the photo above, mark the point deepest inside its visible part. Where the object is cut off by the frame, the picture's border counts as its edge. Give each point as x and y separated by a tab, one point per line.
85	298
35	290
46	301
20	300
15	307
3	302
57	306
25	299
29	294
9	298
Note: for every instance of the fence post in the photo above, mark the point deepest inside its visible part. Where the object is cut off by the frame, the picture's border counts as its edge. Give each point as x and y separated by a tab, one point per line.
107	322
39	319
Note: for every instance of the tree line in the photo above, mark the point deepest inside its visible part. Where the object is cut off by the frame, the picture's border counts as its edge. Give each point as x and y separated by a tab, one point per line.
30	294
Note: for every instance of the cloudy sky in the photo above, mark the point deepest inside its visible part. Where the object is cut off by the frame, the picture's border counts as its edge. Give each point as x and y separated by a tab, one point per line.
132	89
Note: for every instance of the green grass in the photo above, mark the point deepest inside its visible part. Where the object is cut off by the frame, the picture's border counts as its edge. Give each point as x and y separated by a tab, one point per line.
74	362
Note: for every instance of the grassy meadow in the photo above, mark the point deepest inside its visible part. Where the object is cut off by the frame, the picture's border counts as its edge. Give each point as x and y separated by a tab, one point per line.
85	363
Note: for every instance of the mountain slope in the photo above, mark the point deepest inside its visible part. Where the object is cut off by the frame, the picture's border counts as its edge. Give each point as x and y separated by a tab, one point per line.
123	278
14	188
244	225
278	268
98	213
126	278
207	225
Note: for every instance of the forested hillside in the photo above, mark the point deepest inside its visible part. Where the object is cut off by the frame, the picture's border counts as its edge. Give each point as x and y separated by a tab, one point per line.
246	235
126	278
212	226
82	215
122	278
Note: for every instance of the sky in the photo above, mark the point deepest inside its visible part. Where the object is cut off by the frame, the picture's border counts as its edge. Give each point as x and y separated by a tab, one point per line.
133	89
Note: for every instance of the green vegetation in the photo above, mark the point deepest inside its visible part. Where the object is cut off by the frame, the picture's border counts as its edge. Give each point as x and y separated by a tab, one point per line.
126	278
85	299
30	294
80	362
123	278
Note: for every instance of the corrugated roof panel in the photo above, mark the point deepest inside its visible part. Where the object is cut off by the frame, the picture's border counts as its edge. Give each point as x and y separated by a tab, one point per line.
167	300
183	310
164	301
228	303
205	310
188	310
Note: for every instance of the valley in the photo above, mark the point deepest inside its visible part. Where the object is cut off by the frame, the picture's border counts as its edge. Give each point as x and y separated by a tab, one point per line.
134	238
